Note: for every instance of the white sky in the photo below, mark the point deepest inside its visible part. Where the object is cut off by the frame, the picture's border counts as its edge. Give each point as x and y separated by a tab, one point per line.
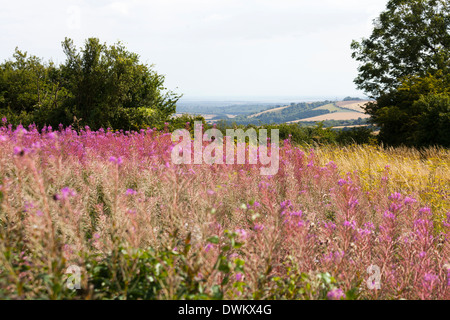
209	48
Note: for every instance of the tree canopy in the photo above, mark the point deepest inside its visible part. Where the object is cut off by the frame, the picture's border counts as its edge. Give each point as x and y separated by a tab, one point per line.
410	38
98	86
405	66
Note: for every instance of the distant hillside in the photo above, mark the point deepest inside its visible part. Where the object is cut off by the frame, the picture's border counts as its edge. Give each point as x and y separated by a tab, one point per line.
304	112
282	114
336	116
332	107
340	110
268	111
352	105
309	112
222	109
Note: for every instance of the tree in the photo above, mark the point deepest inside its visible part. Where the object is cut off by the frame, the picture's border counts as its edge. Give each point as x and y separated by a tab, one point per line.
28	87
100	86
401	116
434	121
406	60
412	37
111	88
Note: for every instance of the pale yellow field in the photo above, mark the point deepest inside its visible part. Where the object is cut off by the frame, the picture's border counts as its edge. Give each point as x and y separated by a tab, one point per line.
335	116
353	105
267	111
332	108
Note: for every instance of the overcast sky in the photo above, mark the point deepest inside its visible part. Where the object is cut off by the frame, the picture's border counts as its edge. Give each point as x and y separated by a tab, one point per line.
223	49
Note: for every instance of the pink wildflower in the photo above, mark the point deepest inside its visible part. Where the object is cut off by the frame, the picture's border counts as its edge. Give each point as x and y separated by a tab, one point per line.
130	192
258	227
242	234
335	294
65	194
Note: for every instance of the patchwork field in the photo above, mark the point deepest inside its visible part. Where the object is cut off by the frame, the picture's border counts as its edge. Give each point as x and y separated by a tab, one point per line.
336	116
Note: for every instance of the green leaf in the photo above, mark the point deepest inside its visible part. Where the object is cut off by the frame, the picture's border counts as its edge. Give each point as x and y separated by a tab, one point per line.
225	280
214	239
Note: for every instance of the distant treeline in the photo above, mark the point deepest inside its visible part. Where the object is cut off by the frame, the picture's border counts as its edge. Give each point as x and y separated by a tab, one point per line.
352	99
336	123
307	135
222	111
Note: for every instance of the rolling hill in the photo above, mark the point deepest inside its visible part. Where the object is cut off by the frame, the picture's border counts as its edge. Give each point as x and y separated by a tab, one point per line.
305	112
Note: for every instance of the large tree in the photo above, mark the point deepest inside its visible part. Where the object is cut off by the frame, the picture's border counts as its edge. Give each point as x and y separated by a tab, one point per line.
407	59
98	86
110	87
29	88
412	37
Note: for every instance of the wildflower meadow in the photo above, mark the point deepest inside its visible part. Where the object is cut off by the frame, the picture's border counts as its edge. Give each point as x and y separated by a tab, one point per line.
107	215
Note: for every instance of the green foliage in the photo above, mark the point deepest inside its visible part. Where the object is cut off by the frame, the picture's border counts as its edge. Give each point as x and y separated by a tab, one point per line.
297	285
134	274
98	86
313	134
185	121
416	114
348	98
336	123
406	67
112	89
434	120
359	135
30	91
294	111
174	272
410	38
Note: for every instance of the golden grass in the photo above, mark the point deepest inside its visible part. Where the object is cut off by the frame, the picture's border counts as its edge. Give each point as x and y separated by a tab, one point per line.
353	105
335	116
425	174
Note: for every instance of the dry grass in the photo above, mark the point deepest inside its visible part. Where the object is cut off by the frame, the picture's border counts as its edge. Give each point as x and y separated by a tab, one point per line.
332	108
268	111
423	173
353	105
335	116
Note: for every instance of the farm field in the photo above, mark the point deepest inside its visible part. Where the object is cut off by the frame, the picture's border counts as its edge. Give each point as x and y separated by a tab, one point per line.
352	105
113	206
268	111
335	116
332	107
